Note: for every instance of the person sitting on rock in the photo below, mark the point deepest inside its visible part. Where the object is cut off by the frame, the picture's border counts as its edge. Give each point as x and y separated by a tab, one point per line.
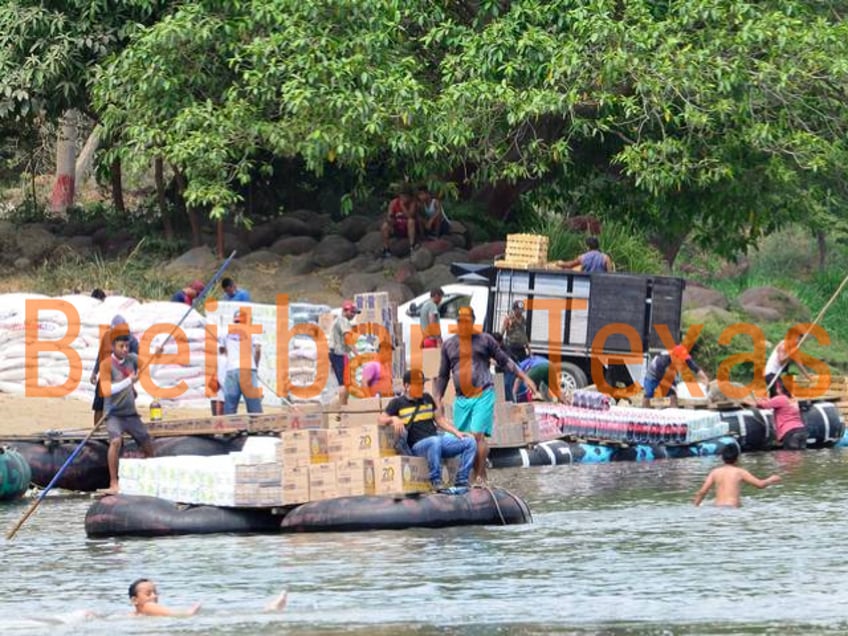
417	419
401	220
433	218
592	261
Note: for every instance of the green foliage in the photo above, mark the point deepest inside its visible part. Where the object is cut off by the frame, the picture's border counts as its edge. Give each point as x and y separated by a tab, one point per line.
138	275
29	211
482	227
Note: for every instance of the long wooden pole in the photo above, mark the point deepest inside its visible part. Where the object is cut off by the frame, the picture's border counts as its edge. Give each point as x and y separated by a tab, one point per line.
32	508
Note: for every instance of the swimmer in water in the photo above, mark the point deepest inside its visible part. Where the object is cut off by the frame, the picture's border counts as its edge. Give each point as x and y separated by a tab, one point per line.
145	601
728	480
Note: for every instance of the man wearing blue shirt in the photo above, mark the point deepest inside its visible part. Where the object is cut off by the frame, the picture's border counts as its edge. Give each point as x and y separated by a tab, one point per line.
232	291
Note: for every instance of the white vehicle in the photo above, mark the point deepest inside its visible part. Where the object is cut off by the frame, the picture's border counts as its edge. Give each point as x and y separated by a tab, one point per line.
456	296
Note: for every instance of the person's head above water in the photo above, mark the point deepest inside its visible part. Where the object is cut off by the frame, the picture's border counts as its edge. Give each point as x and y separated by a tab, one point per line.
142	590
730	453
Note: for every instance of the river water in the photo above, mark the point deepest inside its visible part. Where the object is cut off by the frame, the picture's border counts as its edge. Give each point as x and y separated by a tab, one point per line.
614	549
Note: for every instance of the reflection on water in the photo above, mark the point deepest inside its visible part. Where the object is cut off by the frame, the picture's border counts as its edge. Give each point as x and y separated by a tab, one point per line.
615	549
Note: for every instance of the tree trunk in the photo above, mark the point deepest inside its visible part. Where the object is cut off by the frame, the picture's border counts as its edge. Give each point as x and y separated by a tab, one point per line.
821	243
220	241
63	188
162	199
117	182
85	161
191	211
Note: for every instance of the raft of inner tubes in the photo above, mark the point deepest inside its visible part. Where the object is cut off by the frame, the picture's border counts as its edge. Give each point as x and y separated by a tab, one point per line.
750	429
15	474
128	515
88	472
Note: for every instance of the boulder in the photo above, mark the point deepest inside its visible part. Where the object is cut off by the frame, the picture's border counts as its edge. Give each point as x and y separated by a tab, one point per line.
486	252
398	292
354	227
696	295
332	250
778	304
436	276
293	245
81	245
35	243
458	240
438	245
409	276
260	257
399	247
302	264
234	242
197	258
262	235
455	255
313	221
290	226
370	243
422	258
22	263
360	283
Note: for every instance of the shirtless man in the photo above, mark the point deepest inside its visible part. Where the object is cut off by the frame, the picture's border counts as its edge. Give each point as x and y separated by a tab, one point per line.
728	480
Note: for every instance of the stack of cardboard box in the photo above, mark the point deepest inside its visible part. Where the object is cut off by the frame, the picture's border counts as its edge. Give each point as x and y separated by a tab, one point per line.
376	314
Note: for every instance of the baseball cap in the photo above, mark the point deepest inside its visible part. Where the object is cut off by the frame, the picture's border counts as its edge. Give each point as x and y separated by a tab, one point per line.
518	304
118	319
349	305
680	353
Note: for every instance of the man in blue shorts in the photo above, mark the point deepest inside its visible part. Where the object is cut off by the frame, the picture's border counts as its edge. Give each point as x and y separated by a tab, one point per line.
467	356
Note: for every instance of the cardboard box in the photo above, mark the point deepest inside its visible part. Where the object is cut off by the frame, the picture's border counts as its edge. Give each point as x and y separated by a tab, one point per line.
346	420
355	477
322	481
532	432
257	495
301	447
364	405
400	475
430	361
370	441
266	472
295	485
306	416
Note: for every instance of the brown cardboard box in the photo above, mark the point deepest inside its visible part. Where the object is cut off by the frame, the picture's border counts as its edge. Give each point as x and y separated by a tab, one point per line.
307	416
355	477
500	393
302	447
371	405
322	481
357	419
401	474
430	361
257	495
295	485
532	434
370	441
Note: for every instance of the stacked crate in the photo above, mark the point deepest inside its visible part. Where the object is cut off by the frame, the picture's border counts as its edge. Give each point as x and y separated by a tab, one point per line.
525	251
375	308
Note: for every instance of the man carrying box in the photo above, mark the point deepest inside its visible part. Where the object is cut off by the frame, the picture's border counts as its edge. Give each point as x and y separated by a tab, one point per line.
418	419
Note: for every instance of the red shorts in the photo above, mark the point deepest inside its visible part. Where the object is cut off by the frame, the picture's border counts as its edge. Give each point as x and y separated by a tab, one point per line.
430	343
400	225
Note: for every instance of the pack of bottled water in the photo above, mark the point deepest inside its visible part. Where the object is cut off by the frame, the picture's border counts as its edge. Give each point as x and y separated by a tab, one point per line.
590	400
635	425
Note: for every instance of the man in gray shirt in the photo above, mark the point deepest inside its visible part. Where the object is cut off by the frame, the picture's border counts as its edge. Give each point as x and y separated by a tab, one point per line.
119	403
431	331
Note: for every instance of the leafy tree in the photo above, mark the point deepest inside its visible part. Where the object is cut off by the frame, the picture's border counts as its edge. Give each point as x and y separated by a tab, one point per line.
704	117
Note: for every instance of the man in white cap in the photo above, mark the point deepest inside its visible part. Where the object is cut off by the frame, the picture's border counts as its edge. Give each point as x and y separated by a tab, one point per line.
342	339
233	387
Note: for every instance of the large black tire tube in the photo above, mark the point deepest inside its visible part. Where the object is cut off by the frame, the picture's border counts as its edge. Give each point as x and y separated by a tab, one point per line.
479	506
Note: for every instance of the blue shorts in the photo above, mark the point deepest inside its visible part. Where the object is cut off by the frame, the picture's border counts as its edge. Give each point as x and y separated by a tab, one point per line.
475	415
651	386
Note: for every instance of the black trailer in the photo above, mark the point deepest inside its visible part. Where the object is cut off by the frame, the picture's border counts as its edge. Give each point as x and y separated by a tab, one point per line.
617	319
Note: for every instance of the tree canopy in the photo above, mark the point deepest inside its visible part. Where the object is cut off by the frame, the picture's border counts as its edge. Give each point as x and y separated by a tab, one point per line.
698	118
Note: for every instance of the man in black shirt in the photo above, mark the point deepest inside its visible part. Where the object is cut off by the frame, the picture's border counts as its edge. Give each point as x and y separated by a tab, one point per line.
416	417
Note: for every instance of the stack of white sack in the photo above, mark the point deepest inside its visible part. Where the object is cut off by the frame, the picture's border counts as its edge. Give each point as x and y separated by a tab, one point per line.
30	364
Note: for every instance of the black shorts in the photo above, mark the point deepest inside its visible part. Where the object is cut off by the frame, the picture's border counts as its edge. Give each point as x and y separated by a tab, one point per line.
117	425
796	439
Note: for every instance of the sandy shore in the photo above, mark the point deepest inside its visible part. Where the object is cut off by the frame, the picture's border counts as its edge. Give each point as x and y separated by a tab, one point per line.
21	415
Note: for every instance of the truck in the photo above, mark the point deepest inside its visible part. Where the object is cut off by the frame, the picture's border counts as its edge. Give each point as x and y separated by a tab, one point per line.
618	319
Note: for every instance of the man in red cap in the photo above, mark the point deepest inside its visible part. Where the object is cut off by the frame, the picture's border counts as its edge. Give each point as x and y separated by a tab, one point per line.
678	357
188	294
342	339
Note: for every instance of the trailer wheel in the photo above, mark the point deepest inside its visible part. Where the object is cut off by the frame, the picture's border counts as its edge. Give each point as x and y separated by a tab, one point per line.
571	377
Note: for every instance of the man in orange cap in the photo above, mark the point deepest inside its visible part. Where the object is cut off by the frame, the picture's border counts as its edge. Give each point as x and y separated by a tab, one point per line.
657	368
